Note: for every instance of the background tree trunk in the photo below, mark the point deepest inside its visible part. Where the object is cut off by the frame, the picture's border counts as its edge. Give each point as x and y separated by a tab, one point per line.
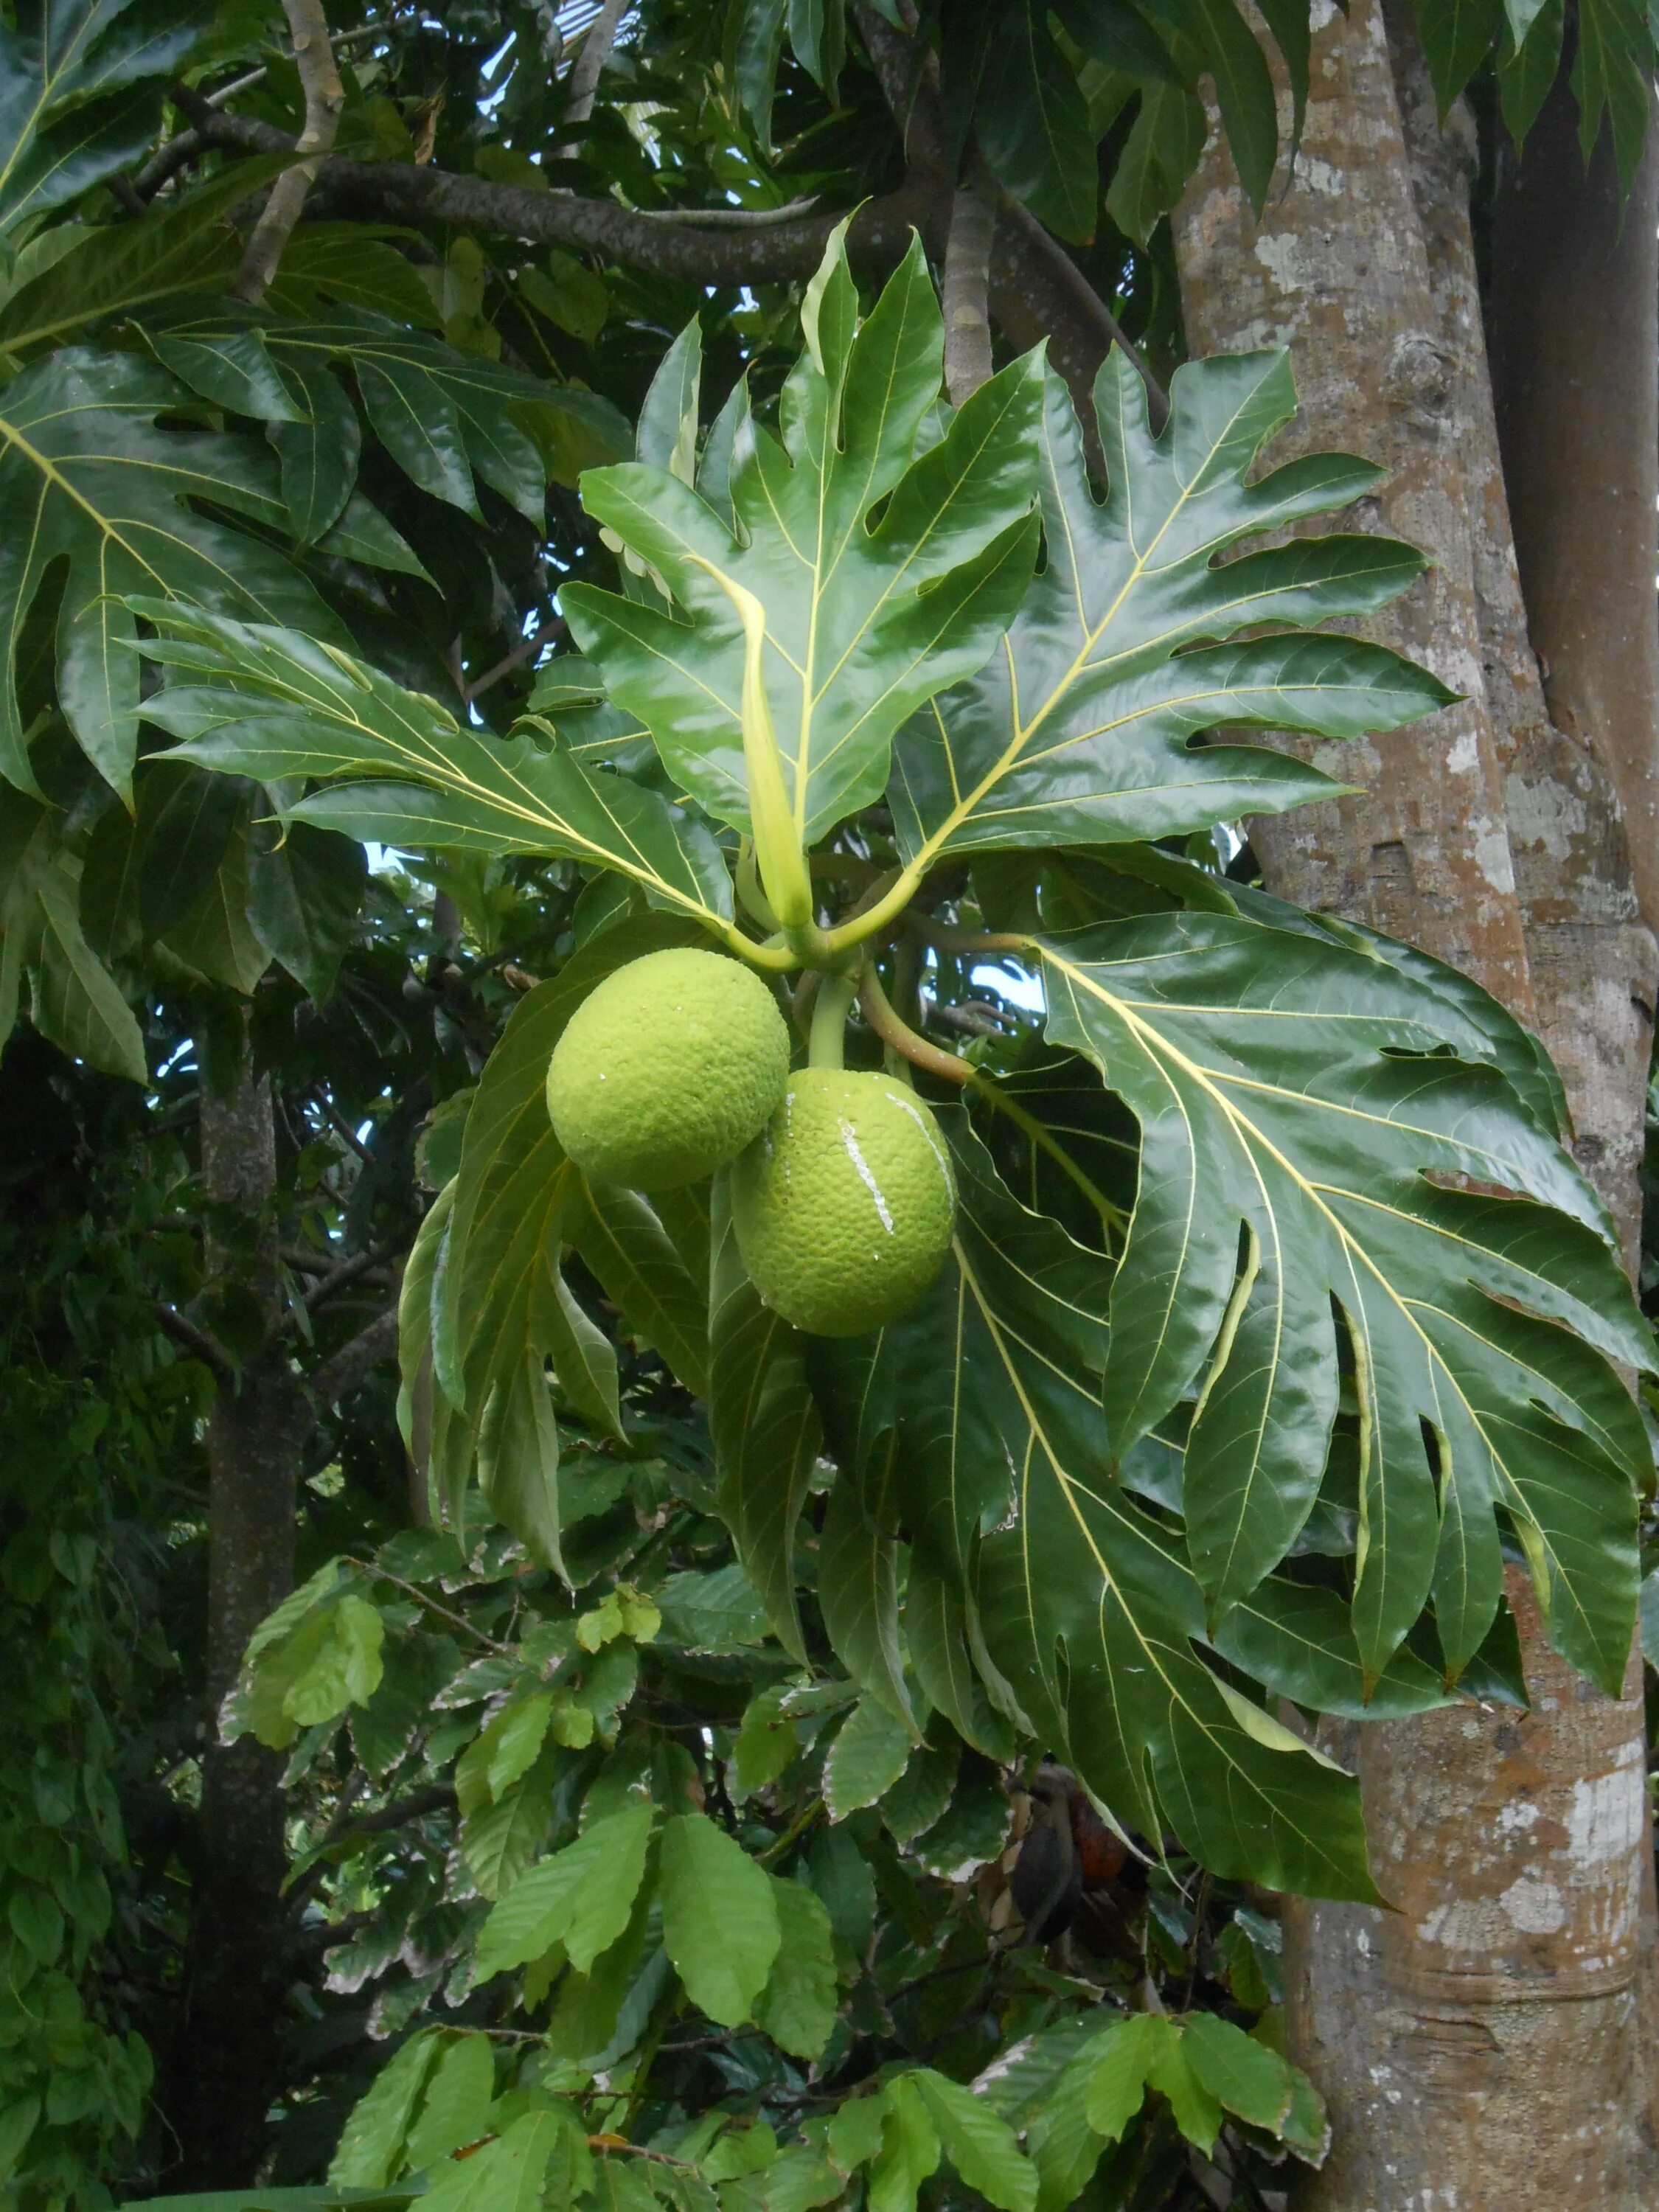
224	2063
1485	2046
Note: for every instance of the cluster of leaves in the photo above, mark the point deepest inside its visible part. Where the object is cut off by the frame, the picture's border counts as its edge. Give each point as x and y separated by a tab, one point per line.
1260	1343
1038	86
1354	1351
94	1413
648	1912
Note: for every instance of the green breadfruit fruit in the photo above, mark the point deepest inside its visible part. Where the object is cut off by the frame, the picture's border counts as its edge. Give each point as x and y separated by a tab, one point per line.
667	1070
844	1205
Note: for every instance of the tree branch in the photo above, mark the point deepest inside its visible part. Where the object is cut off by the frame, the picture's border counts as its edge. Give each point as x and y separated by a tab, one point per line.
1037	291
415	1806
340	1374
588	67
198	1342
324	96
395	191
965	291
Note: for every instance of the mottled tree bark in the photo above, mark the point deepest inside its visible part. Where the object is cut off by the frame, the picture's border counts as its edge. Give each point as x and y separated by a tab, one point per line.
223	2066
1483	2045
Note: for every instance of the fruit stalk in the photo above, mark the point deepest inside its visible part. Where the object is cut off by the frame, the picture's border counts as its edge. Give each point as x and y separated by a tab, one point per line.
827	1039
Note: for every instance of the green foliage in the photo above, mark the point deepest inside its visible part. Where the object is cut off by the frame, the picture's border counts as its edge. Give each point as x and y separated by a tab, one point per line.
1272	1248
651	1798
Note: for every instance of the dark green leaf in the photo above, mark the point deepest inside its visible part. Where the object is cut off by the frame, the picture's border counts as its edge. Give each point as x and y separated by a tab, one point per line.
1090	1612
1254	1061
764	1422
797	2008
1033	125
78	96
90	476
305	890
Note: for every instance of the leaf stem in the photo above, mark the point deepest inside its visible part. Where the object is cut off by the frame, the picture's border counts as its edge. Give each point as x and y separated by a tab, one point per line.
892	1029
948	938
867	922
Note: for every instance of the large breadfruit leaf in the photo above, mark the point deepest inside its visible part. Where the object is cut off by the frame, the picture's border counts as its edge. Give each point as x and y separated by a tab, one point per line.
80	93
399	769
1081	727
976	1422
887	558
94	475
1337	1182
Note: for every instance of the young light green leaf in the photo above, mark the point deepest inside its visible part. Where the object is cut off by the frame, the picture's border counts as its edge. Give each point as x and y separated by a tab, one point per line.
1196	2112
909	2149
582	1897
1239	2072
798	2006
455	2107
371	2142
343	1669
500	1837
982	2148
1121	2059
719	1918
505	2176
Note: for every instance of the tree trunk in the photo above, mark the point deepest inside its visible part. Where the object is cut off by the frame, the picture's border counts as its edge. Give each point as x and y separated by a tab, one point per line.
1483	2045
224	2061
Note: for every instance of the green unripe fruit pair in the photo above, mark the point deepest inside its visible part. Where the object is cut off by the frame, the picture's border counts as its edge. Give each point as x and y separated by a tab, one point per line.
842	1195
667	1070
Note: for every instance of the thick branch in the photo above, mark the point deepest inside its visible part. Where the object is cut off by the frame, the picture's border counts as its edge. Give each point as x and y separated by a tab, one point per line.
324	97
394	192
339	1375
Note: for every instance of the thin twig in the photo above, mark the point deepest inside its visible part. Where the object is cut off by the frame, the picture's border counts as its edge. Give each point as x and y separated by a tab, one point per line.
324	96
415	1807
342	1128
732	218
423	1598
525	649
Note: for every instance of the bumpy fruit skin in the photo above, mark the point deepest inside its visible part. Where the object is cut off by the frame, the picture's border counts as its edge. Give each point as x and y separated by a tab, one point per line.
844	1206
667	1070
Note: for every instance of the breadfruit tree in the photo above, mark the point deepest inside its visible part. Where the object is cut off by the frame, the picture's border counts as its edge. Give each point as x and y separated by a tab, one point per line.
1046	1234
